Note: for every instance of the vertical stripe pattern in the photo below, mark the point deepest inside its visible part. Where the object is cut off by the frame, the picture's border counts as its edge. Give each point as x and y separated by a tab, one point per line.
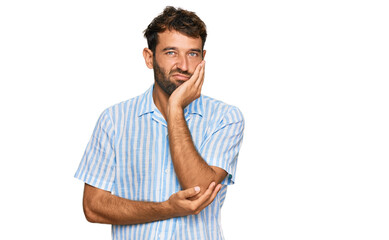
128	155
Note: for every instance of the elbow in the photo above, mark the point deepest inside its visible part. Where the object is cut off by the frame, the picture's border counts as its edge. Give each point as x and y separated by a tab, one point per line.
89	211
89	214
210	179
216	175
90	217
205	181
92	203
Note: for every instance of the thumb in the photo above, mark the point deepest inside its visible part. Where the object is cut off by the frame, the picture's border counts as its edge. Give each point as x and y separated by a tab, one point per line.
190	192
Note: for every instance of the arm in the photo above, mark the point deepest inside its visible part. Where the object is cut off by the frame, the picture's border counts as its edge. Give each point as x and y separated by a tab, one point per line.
189	166
102	207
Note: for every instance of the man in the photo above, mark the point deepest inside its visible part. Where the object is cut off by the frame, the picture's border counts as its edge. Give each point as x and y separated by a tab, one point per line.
158	165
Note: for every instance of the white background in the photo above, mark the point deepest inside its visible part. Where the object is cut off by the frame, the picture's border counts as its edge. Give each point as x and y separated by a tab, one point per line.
311	78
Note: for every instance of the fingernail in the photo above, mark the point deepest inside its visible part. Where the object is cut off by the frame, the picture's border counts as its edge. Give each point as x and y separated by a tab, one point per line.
197	189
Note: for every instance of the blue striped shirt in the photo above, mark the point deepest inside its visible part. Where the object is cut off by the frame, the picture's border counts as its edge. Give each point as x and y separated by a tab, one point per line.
128	155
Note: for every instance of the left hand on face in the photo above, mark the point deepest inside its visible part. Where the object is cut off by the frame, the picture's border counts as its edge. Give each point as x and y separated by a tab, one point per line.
189	90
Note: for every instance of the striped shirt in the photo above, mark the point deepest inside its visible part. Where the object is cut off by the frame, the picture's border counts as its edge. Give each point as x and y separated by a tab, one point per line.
128	155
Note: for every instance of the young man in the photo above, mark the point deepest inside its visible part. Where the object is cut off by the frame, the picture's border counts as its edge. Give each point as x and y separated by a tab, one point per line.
158	165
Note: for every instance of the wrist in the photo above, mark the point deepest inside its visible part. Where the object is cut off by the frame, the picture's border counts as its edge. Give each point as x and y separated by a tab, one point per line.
168	209
174	109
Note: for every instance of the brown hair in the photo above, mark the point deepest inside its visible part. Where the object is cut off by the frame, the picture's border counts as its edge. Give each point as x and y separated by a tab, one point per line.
182	21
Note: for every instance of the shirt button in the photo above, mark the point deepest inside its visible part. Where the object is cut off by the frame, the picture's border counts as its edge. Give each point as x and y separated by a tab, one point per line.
166	171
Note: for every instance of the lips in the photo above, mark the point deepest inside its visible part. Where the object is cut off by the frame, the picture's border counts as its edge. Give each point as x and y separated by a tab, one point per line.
181	77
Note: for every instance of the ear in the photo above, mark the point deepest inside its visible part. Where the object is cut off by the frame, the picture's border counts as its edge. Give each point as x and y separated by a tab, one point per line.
204	52
148	55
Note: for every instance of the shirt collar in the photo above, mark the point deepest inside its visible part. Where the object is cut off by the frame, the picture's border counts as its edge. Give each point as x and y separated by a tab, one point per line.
148	106
147	103
195	107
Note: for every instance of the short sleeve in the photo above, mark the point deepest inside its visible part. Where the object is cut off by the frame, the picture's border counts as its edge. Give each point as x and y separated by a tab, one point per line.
221	148
97	167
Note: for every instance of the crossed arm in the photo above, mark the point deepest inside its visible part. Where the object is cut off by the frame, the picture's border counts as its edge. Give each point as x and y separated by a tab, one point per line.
102	207
200	181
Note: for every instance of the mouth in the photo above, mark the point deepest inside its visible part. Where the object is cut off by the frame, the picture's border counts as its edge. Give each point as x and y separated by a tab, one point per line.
181	77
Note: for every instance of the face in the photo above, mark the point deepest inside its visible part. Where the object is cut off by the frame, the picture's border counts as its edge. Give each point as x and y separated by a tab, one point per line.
175	59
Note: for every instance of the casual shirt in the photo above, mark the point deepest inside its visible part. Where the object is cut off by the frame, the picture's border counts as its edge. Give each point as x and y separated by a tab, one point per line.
128	155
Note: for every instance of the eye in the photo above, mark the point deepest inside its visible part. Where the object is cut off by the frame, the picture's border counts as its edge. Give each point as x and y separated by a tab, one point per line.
193	54
170	53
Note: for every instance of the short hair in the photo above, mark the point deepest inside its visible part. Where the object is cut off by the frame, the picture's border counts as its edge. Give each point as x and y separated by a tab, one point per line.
182	21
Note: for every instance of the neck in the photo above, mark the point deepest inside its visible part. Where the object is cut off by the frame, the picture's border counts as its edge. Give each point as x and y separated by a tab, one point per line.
160	99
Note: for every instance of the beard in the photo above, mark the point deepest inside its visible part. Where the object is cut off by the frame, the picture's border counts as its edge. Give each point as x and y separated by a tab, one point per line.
163	78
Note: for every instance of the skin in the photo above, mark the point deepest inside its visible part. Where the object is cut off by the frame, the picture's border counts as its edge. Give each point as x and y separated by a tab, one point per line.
102	207
174	53
179	61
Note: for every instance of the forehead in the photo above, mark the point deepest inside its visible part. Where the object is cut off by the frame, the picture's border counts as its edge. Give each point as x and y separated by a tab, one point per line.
174	39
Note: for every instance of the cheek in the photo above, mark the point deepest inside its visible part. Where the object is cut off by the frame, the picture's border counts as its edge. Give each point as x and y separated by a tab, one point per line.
161	65
193	63
166	66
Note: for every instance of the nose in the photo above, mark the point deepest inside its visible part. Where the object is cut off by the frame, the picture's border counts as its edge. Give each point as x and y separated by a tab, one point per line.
182	63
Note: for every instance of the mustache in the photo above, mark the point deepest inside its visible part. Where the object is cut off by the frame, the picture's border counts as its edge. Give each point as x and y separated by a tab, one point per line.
181	72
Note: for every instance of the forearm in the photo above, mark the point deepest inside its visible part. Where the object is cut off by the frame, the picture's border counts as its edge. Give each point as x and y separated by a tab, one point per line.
190	168
103	207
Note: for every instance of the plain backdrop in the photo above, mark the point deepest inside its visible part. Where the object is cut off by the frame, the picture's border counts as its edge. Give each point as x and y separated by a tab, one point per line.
311	78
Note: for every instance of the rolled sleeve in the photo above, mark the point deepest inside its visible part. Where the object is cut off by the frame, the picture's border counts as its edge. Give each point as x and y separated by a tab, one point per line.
97	167
221	148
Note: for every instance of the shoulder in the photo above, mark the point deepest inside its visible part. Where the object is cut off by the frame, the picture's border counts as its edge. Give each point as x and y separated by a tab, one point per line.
129	107
214	108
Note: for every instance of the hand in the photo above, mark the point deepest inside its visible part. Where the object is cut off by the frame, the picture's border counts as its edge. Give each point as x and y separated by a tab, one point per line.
181	204
189	90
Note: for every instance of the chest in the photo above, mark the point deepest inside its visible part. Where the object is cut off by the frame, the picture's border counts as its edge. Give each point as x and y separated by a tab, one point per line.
144	169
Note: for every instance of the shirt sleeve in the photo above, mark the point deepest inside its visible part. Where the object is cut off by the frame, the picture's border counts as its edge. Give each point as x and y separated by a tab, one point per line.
221	148
97	167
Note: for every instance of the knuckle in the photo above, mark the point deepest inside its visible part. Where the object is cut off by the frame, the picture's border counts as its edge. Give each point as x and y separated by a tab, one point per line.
193	208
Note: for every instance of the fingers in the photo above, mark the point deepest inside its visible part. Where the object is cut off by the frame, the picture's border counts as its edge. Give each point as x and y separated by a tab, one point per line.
212	197
200	79
208	197
183	206
188	193
197	71
198	75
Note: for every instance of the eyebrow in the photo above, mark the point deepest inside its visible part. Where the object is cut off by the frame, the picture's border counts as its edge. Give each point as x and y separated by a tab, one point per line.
195	50
169	48
174	48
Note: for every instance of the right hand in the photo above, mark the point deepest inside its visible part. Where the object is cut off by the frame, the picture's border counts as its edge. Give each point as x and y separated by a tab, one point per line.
189	90
181	204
